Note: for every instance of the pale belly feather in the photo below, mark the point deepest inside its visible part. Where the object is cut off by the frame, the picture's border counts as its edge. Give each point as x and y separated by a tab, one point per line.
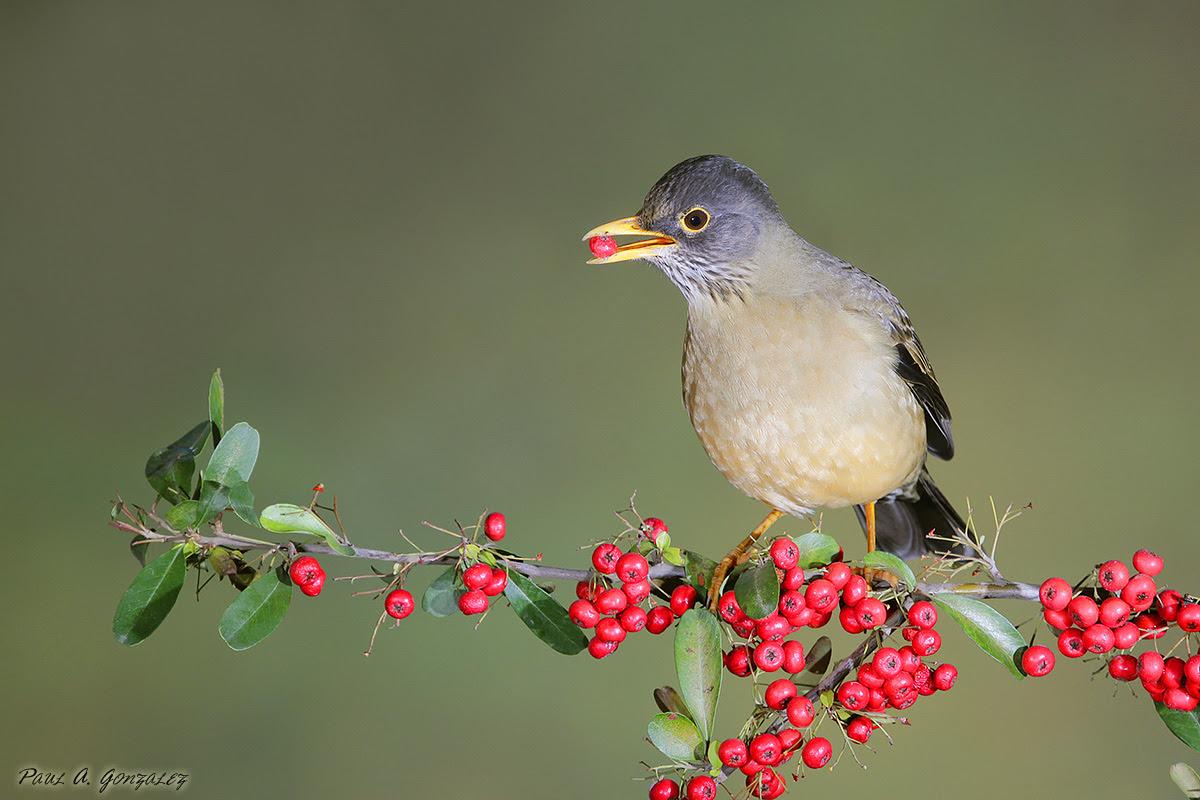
798	403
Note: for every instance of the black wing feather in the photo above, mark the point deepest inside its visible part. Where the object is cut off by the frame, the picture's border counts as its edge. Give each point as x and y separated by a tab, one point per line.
939	438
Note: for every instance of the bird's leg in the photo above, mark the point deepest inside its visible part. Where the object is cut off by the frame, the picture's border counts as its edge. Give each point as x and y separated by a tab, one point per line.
871	574
737	556
869	512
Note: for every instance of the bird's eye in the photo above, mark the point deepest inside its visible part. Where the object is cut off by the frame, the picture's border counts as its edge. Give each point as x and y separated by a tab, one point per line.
696	220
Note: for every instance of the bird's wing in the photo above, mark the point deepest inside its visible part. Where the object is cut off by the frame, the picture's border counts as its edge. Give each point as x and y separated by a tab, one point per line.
911	363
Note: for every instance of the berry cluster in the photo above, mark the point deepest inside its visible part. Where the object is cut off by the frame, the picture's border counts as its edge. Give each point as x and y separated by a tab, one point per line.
613	611
893	678
1113	609
306	572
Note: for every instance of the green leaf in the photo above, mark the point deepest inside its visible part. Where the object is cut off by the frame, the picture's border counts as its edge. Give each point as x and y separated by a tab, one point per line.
893	564
674	735
184	516
241	500
668	700
699	569
985	626
757	590
673	555
140	551
441	598
698	666
817	549
663	541
288	518
543	615
257	611
819	656
714	758
233	459
214	498
150	597
1186	779
1184	724
216	405
169	470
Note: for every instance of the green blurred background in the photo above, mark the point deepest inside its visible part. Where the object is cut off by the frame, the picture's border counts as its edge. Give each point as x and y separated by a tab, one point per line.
368	214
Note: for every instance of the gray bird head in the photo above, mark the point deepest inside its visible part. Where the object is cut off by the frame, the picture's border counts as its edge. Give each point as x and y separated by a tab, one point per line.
705	219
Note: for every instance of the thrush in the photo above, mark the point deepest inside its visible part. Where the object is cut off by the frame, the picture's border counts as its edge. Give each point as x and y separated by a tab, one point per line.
803	375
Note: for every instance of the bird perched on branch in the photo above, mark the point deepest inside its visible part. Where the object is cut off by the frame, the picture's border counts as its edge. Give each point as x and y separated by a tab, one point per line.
803	376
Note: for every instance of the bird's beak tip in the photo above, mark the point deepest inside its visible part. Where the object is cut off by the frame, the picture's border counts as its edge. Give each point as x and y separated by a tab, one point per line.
629	226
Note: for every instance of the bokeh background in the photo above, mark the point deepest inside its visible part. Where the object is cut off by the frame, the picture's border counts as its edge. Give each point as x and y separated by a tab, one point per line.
368	214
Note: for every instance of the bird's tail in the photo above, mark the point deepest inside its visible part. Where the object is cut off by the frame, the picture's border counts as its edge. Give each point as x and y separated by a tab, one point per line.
904	520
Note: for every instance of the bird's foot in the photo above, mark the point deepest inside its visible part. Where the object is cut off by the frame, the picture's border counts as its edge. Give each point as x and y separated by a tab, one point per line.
717	580
873	576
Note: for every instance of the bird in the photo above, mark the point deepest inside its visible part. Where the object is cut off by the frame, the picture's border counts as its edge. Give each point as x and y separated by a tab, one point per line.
803	376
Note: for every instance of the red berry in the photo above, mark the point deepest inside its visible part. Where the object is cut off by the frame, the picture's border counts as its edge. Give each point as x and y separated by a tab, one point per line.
1113	575
801	618
908	633
926	642
733	752
1189	617
1098	639
838	574
1168	603
1070	643
1127	635
855	590
909	660
585	590
683	598
598	648
652	526
1172	676
821	596
477	577
944	677
779	693
632	567
800	712
701	787
605	558
1123	667
583	614
870	677
1059	620
305	569
848	617
923	614
768	656
791	603
793	579
314	585
886	662
858	729
497	583
784	553
473	602
1084	612
633	619
772	628
728	608
1055	593
610	630
1139	592
900	690
1147	562
399	603
1179	700
1151	666
638	591
611	601
793	657
494	526
1037	661
1114	612
744	627
871	612
817	753
737	660
603	247
853	695
766	749
1149	626
665	789
659	619
878	701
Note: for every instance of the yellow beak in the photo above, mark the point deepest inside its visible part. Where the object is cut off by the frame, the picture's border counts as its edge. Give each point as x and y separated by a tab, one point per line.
657	243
